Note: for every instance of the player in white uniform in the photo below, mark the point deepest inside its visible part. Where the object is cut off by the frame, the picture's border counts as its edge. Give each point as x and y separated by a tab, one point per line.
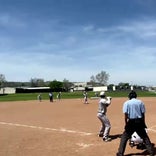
104	102
85	97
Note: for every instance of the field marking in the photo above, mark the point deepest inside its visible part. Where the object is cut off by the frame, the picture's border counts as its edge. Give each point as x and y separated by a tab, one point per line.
83	146
46	128
152	129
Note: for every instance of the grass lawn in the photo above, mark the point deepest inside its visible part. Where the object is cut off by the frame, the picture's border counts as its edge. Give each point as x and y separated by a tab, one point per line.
68	95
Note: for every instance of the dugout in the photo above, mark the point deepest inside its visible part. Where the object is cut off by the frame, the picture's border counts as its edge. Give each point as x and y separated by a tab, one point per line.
33	89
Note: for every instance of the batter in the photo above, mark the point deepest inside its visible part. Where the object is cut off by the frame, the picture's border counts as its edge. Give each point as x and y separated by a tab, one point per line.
104	102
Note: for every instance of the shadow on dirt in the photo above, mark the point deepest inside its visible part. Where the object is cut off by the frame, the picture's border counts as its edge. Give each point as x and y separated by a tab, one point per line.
113	137
144	153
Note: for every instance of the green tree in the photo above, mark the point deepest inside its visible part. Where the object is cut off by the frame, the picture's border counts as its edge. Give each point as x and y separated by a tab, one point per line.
123	85
110	86
56	85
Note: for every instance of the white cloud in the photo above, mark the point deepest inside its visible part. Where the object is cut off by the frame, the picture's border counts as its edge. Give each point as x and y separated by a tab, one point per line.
50	50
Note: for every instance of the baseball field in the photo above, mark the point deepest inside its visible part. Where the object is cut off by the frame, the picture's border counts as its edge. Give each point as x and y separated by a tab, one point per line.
65	128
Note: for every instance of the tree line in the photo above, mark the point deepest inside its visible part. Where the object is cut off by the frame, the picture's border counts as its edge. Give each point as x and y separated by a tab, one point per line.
100	79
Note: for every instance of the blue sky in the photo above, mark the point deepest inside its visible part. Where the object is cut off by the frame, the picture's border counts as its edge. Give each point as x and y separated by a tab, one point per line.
75	39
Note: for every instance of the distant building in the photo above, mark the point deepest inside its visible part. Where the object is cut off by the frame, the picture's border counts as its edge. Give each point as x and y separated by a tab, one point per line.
100	88
7	90
32	89
82	86
78	86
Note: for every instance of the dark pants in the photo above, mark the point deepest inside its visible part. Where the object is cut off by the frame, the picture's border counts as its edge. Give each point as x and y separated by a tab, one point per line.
51	99
135	125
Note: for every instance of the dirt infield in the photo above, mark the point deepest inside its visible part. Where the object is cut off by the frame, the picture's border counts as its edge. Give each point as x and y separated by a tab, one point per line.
64	128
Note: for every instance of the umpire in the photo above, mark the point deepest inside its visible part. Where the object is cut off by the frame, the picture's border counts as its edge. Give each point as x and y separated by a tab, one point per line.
134	111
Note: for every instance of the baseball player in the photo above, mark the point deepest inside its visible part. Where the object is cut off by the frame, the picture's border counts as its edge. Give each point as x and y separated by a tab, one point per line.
137	141
104	102
85	97
51	97
39	97
59	96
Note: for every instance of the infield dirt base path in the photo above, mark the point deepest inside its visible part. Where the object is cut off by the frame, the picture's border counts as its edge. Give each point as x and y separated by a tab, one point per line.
65	128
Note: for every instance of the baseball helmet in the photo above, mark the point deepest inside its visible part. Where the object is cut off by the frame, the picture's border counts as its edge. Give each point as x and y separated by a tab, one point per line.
102	93
132	94
136	138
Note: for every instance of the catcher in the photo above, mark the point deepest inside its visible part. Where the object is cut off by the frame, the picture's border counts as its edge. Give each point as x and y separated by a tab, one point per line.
137	141
104	102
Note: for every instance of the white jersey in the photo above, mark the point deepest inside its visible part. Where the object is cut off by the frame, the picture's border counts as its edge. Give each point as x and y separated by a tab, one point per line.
103	103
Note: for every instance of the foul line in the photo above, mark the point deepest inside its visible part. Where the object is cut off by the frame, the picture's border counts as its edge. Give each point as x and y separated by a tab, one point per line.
152	129
45	128
149	129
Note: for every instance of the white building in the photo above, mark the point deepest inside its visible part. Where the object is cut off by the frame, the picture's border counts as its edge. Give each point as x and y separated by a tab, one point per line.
100	88
7	90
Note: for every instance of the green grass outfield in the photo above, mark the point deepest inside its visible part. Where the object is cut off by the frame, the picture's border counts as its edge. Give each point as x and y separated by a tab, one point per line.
67	95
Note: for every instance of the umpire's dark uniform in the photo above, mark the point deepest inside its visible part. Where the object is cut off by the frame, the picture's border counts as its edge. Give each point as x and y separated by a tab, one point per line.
134	110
